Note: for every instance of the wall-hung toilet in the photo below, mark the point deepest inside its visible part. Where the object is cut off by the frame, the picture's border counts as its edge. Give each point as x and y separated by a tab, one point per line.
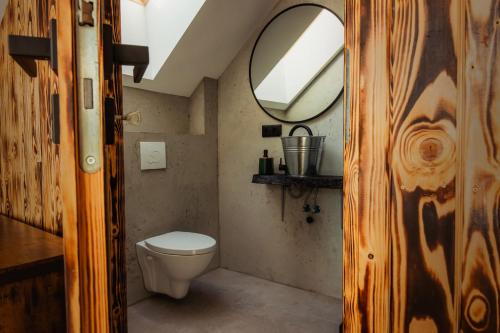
170	261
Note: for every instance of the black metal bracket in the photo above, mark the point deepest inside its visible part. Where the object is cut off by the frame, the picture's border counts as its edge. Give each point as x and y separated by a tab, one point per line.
56	126
109	120
25	50
122	54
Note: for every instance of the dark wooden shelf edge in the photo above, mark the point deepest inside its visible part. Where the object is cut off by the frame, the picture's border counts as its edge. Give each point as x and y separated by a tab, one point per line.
333	182
27	252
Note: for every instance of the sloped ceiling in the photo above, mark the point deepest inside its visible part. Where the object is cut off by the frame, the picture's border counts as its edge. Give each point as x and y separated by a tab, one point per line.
208	46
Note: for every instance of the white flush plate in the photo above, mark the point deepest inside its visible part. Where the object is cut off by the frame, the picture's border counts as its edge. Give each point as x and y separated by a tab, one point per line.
153	155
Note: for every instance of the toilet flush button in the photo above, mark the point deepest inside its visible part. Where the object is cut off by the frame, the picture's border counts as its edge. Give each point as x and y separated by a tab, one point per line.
153	155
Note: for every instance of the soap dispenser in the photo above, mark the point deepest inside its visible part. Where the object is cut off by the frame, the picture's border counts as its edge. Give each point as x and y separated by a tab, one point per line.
266	164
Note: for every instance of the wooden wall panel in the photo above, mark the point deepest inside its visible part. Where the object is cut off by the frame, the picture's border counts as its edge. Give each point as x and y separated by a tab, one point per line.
32	187
115	191
423	164
480	284
366	212
437	145
29	162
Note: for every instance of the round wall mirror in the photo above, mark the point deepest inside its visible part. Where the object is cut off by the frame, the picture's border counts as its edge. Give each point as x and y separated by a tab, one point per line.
297	63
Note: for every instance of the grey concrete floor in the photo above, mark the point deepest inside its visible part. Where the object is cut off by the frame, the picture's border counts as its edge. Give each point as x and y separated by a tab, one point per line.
223	301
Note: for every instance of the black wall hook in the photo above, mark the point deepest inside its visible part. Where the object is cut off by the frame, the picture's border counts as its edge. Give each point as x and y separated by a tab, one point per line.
122	54
25	50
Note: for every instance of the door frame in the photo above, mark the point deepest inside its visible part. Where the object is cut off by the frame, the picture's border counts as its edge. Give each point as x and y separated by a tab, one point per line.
87	206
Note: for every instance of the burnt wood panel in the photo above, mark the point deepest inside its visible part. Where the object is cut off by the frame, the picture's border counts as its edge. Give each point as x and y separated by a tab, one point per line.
33	187
480	148
23	246
31	281
29	161
423	155
439	139
366	244
114	189
33	304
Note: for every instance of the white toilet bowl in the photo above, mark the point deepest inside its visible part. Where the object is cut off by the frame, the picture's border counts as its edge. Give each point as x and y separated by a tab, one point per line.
170	261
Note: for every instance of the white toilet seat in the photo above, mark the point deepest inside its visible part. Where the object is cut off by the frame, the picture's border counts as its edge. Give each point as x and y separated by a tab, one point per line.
181	243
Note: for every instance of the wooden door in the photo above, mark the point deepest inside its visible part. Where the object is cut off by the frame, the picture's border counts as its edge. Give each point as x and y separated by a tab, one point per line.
422	167
101	192
42	181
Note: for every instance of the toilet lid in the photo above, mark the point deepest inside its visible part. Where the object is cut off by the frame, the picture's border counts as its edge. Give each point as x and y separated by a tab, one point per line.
181	243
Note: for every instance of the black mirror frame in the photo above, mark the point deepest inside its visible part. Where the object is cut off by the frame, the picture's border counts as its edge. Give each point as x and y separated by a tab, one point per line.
335	100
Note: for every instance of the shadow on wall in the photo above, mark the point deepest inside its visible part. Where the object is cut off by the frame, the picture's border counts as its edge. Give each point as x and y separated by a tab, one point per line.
184	196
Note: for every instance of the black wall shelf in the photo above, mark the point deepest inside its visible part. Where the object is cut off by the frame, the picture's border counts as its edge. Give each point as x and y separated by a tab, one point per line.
333	182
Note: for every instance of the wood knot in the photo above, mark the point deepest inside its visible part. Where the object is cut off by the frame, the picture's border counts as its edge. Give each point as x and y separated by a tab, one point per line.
116	311
424	155
115	231
430	149
477	313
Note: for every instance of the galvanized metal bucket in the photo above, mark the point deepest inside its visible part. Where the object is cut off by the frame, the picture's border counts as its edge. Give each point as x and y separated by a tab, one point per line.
303	153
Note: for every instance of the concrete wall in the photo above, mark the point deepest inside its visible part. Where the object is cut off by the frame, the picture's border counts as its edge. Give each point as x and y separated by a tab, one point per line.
254	240
185	195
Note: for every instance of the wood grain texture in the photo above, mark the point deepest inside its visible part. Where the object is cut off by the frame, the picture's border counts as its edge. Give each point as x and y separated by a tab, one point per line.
68	183
32	281
423	164
34	304
29	162
115	190
366	245
480	278
30	245
92	253
32	187
441	161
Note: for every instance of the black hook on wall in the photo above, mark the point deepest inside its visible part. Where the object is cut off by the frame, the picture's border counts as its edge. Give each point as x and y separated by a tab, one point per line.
25	50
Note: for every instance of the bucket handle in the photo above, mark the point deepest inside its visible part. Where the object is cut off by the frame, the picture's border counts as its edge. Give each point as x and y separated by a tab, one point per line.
307	128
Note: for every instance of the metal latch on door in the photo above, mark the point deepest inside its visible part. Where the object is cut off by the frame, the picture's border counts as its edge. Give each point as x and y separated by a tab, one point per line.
89	90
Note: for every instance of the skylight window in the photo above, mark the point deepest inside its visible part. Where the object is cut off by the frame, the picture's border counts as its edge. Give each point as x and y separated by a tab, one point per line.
159	24
303	62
